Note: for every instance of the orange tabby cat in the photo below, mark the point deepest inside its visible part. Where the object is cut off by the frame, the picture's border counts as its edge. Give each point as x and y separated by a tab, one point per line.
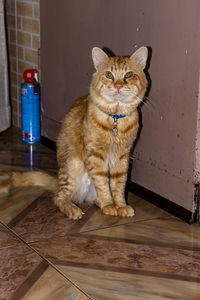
96	137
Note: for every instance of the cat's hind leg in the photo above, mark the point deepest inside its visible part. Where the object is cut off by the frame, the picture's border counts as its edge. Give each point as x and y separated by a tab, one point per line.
69	176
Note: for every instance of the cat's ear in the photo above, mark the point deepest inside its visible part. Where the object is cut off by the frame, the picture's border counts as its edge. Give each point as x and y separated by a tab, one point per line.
139	57
99	57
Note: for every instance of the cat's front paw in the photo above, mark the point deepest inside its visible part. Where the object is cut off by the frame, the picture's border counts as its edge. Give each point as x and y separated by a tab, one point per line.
73	212
125	211
110	210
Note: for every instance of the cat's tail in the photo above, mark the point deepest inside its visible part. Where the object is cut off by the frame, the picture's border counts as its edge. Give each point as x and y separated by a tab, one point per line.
9	180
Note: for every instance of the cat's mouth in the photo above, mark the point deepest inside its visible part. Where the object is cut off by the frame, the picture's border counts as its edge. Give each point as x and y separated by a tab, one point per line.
120	95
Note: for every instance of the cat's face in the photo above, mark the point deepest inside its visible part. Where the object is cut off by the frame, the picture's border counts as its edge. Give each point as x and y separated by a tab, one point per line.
119	81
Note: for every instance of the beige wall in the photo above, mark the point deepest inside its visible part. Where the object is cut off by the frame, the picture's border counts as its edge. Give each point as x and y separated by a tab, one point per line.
23	36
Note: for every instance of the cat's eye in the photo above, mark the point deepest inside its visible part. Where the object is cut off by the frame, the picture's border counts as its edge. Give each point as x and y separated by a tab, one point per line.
109	75
128	75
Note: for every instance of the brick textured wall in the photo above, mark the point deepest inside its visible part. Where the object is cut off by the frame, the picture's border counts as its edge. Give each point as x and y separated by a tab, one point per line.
23	35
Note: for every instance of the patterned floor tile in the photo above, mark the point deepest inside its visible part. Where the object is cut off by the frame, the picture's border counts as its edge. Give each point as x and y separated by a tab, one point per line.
120	255
24	275
14	203
7	238
43	219
171	231
101	285
51	285
16	264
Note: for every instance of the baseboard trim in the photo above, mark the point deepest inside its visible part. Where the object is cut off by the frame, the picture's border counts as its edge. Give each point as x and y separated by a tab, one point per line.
163	203
48	143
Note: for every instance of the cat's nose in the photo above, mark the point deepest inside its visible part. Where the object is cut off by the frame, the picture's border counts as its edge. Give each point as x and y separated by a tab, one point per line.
118	85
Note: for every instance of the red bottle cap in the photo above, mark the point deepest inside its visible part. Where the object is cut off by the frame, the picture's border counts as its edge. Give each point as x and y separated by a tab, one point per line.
30	75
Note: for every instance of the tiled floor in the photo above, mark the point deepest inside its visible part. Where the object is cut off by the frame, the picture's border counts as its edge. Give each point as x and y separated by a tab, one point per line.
45	256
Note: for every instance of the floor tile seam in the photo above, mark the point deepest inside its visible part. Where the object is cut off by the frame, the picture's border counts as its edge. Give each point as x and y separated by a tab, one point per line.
63	235
78	224
29	281
153	218
128	223
124	270
46	193
18	238
25	211
81	232
24	243
108	227
59	271
21	242
16	235
146	242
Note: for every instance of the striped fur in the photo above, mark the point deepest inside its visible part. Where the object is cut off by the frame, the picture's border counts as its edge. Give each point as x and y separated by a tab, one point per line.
92	162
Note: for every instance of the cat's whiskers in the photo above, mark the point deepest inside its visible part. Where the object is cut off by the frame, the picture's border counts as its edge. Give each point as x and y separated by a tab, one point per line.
133	157
148	103
149	100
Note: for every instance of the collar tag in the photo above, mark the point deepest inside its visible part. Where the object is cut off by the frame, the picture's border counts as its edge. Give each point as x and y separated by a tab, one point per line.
116	117
115	130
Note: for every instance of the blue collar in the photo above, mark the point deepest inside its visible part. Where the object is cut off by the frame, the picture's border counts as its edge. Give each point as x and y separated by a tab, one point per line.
116	117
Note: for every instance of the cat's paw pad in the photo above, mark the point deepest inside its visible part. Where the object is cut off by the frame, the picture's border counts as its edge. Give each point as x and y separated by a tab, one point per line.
74	212
109	210
125	211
